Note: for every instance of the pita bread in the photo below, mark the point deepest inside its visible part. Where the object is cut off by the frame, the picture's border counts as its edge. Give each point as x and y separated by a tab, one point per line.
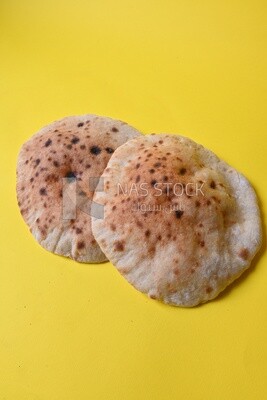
186	244
53	181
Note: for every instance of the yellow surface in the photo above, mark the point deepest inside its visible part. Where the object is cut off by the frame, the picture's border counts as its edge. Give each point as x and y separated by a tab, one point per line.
70	331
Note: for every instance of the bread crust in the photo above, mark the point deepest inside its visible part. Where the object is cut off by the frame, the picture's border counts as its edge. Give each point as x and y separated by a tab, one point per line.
189	255
64	156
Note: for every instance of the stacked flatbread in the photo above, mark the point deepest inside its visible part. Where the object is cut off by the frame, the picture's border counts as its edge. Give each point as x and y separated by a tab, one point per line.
180	224
57	172
177	222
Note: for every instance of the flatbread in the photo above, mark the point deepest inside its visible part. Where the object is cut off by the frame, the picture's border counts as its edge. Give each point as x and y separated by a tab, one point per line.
185	245
56	174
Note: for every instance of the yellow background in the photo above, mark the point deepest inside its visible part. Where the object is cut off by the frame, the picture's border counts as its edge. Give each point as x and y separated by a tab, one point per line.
70	331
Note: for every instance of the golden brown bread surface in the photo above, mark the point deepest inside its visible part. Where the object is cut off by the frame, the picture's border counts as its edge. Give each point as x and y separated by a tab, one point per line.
180	224
75	148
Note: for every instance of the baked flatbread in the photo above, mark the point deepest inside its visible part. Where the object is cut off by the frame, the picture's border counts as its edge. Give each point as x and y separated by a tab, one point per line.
193	232
56	174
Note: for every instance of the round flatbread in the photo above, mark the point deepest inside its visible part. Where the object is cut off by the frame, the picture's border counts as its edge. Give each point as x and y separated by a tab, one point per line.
179	224
57	172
